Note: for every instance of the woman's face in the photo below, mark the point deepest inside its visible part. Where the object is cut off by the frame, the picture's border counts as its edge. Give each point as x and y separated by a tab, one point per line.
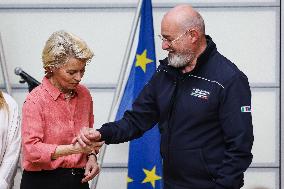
69	75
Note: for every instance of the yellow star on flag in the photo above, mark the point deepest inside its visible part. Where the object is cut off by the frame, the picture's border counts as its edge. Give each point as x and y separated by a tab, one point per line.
151	176
128	179
142	60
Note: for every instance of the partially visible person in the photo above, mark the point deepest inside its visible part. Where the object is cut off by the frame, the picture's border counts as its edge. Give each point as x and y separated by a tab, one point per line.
10	140
200	100
53	113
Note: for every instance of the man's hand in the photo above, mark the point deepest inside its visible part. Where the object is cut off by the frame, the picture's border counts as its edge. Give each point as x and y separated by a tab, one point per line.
91	169
89	137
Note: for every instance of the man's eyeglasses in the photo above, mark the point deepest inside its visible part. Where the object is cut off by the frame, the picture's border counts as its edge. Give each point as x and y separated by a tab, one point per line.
171	42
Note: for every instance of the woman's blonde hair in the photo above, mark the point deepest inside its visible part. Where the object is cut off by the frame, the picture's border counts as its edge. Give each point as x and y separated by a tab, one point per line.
60	46
3	103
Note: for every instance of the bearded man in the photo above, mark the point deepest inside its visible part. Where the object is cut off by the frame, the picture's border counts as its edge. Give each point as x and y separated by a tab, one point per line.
200	100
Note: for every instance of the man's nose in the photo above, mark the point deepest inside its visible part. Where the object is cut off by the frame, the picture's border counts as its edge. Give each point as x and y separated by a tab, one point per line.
166	45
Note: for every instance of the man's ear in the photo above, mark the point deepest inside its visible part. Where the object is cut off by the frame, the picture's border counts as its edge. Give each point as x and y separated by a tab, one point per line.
194	35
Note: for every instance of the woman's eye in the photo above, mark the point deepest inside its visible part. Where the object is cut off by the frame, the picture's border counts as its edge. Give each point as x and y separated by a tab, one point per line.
71	73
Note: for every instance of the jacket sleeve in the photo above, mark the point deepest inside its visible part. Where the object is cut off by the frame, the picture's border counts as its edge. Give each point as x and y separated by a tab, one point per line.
236	121
135	122
8	166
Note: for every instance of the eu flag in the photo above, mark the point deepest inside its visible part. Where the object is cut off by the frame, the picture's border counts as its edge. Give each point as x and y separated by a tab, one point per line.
144	164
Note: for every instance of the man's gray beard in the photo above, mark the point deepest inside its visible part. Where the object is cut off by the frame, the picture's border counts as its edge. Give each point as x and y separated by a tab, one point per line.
180	60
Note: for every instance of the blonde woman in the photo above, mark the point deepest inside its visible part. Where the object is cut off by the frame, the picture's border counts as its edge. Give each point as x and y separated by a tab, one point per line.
53	114
10	141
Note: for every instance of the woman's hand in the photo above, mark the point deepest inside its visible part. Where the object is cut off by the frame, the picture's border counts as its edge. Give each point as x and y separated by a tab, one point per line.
89	138
76	148
91	169
86	149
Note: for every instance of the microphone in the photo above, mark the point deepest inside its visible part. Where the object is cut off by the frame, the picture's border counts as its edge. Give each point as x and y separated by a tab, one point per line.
32	82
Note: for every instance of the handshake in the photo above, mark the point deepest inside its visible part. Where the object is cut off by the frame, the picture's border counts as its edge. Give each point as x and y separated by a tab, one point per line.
88	140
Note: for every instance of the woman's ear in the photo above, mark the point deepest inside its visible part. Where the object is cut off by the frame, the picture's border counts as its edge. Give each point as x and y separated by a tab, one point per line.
49	71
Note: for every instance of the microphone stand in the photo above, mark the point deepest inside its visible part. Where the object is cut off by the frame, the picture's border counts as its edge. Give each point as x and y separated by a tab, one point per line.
32	82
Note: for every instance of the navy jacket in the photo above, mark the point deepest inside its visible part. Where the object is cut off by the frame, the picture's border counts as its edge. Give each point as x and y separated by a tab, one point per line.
204	119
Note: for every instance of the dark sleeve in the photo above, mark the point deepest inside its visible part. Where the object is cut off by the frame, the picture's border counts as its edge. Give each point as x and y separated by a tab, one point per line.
236	121
135	122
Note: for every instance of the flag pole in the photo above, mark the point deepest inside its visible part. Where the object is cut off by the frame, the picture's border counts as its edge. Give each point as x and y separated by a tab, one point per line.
119	83
4	68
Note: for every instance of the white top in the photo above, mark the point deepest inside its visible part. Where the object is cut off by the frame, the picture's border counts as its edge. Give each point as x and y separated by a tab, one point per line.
10	142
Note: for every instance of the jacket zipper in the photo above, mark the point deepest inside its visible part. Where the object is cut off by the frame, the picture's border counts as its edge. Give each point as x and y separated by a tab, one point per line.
172	112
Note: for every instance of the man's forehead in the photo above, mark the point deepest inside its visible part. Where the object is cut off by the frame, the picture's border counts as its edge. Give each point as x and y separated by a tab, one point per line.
169	27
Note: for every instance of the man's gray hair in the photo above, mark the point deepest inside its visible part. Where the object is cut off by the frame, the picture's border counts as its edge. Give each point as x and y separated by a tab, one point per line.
196	22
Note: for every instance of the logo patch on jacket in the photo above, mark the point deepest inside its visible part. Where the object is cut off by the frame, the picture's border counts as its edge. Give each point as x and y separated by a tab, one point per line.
245	109
200	93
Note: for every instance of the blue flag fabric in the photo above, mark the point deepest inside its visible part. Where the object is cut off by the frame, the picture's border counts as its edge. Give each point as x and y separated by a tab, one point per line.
145	163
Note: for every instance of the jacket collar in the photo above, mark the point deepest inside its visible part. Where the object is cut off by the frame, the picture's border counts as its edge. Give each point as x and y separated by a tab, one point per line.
53	91
205	56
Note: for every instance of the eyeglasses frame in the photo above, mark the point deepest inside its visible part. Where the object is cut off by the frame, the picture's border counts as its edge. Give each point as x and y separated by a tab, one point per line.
171	42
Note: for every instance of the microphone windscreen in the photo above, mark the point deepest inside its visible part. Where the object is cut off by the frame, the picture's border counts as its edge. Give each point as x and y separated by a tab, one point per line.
18	71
